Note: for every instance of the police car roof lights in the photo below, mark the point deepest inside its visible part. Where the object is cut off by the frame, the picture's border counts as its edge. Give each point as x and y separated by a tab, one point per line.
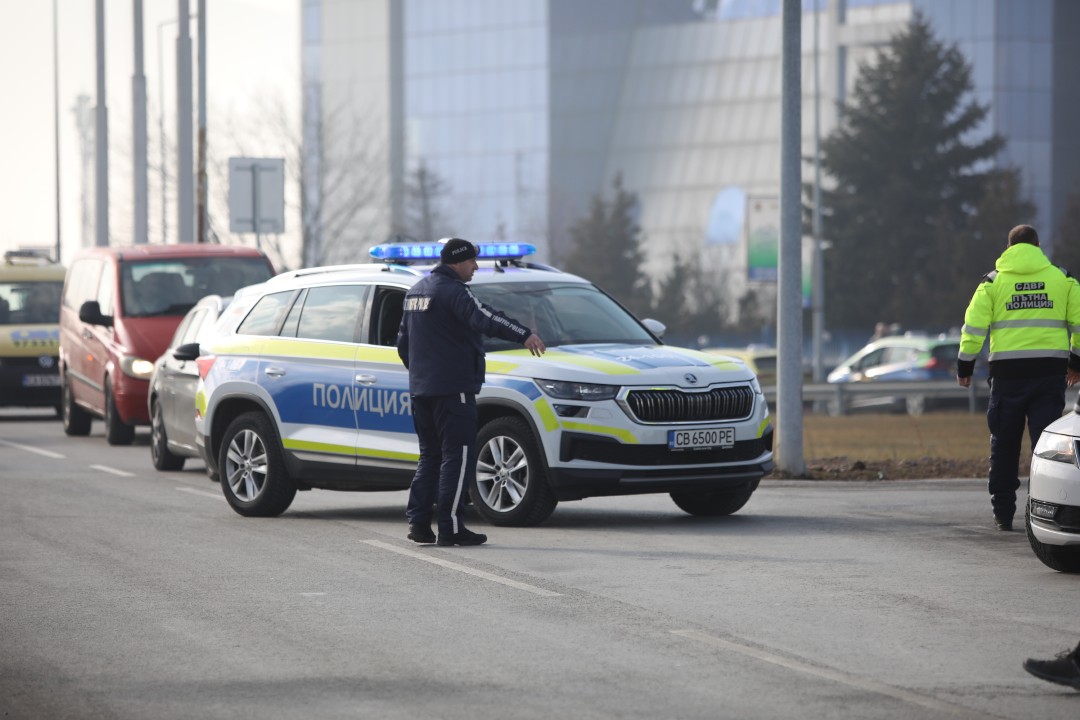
428	252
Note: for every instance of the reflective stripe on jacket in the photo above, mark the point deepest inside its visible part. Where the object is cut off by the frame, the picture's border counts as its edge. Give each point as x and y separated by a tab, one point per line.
1030	308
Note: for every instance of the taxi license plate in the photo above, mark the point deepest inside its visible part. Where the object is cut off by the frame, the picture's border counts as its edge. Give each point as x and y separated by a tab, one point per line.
41	380
701	439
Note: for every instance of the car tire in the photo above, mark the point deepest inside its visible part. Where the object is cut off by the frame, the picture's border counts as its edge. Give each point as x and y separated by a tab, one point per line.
510	486
163	458
117	432
713	503
252	468
1057	557
76	421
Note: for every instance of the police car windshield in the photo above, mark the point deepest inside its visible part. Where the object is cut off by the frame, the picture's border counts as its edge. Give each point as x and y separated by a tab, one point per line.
30	302
562	314
173	286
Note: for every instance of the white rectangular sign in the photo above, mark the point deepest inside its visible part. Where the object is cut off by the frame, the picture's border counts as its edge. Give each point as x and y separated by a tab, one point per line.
256	191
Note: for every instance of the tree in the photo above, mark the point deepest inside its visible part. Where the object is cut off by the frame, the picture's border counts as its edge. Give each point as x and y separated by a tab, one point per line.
424	191
689	303
908	209
1067	241
606	248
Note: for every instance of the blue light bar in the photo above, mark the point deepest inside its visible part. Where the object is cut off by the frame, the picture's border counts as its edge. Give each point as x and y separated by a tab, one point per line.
427	252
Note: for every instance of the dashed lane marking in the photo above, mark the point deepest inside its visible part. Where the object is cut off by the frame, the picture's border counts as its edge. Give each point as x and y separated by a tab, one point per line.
463	569
837	676
113	471
203	493
32	449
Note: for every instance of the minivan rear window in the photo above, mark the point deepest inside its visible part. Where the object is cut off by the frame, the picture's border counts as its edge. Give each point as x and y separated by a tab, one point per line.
173	286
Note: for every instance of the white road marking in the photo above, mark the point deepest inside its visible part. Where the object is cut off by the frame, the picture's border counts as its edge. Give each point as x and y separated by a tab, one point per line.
313	594
113	471
854	681
32	449
463	569
204	493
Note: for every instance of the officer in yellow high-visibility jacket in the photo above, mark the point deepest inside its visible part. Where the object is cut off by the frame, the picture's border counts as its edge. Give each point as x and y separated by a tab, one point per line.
1031	310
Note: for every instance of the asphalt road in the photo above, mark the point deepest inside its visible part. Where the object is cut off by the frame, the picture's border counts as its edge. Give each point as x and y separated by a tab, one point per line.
129	593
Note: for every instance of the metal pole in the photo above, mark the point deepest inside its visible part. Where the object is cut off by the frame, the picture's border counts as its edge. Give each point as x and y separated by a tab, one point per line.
789	456
818	284
101	137
138	124
201	172
56	122
161	134
185	212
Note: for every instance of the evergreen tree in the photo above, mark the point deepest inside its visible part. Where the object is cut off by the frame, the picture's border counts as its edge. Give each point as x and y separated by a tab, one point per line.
1067	241
606	249
910	209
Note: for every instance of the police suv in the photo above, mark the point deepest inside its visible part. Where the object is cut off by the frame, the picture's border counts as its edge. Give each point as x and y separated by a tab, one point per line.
302	388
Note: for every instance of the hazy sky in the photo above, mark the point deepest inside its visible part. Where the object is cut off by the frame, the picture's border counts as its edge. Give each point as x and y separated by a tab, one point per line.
252	60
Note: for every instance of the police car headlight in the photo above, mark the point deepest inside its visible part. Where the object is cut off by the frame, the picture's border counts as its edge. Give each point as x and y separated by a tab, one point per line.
1059	448
564	390
136	367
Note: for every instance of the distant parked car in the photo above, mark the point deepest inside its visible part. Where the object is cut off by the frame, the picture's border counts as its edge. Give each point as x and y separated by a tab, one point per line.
1053	508
900	358
171	399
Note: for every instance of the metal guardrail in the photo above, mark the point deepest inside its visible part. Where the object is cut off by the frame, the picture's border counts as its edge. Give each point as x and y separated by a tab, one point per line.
842	398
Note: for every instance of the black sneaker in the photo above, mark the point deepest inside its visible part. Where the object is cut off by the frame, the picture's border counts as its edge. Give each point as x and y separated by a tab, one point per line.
465	537
420	533
1003	523
1063	670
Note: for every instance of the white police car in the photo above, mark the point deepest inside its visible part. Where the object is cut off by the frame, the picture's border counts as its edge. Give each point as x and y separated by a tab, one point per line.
304	389
1053	508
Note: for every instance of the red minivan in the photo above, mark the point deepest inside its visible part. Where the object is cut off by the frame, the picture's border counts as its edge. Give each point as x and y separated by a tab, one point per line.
120	308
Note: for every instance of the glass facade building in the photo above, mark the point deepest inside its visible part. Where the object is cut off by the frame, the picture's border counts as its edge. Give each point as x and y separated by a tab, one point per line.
524	110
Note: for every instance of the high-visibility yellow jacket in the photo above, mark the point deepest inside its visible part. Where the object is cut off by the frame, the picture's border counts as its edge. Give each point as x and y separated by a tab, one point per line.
1031	310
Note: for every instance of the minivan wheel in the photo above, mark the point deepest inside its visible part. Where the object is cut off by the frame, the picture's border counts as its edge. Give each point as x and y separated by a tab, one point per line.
163	458
713	503
117	432
76	420
510	486
1057	557
252	468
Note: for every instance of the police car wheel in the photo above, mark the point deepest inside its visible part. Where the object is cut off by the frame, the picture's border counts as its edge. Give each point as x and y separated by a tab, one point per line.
713	503
510	486
117	432
252	469
159	442
1057	557
76	421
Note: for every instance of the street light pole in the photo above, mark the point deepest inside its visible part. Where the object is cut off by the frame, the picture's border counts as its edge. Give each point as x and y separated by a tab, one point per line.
101	136
138	124
184	160
56	121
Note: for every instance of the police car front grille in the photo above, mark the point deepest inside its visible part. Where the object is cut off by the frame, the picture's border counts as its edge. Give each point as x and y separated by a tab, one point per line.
668	406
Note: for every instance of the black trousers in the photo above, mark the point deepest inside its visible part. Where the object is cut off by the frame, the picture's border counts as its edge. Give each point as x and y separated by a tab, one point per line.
1014	402
446	428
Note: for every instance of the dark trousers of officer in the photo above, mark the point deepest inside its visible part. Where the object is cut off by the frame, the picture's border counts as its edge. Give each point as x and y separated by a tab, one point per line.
1014	402
446	428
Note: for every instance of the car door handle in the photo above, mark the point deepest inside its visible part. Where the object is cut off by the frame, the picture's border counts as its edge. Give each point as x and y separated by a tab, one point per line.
366	379
274	372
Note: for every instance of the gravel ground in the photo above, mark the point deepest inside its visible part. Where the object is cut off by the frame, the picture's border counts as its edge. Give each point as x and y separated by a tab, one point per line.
845	468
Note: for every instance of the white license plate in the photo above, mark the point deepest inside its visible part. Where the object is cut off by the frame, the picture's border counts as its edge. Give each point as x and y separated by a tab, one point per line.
41	380
701	439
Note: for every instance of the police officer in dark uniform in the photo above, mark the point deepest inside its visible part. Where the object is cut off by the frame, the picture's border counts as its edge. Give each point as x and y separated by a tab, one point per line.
1030	308
440	343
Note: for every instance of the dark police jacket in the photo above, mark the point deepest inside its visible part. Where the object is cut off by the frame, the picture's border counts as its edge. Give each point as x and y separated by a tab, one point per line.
440	336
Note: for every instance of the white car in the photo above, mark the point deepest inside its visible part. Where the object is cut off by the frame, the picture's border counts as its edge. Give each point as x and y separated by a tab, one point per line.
1053	507
304	389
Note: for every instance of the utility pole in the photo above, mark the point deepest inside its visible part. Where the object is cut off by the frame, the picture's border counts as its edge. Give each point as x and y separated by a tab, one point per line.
84	120
789	456
185	212
200	215
138	126
56	121
817	286
101	136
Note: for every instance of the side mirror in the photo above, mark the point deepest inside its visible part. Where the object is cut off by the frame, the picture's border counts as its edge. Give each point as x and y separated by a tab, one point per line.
187	351
90	312
656	327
